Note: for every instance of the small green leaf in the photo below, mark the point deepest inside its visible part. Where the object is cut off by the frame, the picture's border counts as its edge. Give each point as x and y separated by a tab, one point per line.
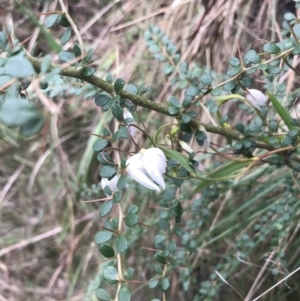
164	284
229	86
246	81
119	84
117	197
153	283
51	20
46	64
133	209
88	56
172	246
63	21
173	110
66	56
76	50
124	294
104	159
185	118
16	111
234	62
107	190
180	158
296	30
252	57
121	243
262	66
174	102
159	239
234	71
273	70
117	111
66	36
128	273
18	66
99	145
216	92
33	126
110	274
108	171
88	71
131	89
293	132
101	100
122	182
106	208
252	70
289	16
168	69
206	79
159	258
102	236
131	219
271	48
192	91
102	294
296	49
107	251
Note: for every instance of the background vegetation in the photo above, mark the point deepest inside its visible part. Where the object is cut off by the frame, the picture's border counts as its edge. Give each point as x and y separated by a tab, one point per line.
239	235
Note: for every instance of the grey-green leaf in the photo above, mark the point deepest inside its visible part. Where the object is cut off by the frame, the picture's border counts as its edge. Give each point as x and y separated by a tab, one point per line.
124	293
108	171
102	294
99	145
101	100
206	79
66	36
164	283
121	243
119	84
252	57
51	20
117	111
16	111
66	56
131	219
19	67
102	236
110	274
271	48
106	208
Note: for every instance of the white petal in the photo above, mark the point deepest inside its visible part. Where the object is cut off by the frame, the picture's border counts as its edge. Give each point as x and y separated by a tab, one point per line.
256	98
154	162
112	183
127	114
136	170
157	157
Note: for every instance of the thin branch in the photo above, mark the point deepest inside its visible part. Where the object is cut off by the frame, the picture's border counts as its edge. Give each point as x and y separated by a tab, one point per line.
144	102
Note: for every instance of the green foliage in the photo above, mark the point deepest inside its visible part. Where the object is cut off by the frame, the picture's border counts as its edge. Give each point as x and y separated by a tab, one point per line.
198	210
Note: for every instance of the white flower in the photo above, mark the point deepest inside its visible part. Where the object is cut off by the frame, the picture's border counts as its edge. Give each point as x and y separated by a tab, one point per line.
127	114
256	98
148	163
112	184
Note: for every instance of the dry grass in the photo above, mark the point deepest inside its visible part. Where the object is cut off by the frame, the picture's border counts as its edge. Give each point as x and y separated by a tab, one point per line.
46	233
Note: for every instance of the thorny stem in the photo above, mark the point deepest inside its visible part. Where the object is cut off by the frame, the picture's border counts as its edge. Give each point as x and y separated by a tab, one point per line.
119	259
143	101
